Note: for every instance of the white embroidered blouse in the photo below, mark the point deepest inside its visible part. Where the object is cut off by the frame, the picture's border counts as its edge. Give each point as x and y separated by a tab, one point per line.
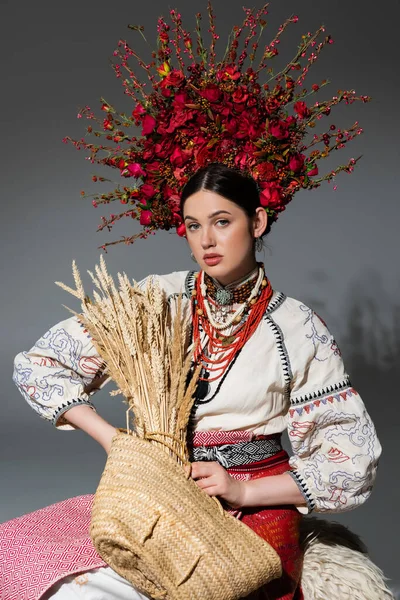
289	374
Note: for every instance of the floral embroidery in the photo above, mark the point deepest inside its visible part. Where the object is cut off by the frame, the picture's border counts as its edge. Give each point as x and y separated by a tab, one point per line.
300	429
317	335
336	455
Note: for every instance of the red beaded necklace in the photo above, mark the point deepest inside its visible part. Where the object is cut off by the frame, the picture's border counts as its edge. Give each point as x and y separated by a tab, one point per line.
225	348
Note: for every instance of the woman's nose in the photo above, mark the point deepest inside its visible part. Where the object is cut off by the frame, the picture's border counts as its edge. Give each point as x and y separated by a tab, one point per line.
207	239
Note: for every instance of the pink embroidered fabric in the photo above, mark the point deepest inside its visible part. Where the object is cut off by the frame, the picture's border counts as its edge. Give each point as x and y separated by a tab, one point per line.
42	547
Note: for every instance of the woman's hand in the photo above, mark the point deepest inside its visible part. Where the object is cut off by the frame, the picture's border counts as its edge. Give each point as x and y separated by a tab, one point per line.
215	481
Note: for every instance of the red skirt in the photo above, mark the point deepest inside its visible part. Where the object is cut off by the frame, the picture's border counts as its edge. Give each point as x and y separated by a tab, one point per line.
39	549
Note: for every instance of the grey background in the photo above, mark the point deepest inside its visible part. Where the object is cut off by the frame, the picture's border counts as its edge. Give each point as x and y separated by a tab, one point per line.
337	251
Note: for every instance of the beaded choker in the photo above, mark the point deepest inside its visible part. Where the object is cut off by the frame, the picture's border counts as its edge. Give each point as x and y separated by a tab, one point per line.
236	292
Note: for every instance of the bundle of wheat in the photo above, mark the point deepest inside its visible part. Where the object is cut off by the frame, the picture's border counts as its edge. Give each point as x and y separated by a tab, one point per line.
144	343
150	521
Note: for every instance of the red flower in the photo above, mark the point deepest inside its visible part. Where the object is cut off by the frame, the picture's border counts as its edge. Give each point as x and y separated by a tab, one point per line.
108	125
145	217
249	124
205	154
181	230
270	196
174	79
133	170
180	100
173	201
153	167
163	148
147	190
163	37
229	73
180	157
313	171
289	83
179	118
296	162
240	94
138	111
301	109
272	105
212	93
266	171
244	158
278	129
231	126
149	124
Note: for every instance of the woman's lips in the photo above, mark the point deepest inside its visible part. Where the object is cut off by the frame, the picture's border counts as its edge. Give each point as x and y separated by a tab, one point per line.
212	260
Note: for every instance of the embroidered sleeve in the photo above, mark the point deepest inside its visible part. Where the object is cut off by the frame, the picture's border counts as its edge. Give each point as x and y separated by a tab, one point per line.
335	446
61	370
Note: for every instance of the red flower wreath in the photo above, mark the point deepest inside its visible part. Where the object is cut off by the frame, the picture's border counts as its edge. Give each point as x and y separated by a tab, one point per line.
202	111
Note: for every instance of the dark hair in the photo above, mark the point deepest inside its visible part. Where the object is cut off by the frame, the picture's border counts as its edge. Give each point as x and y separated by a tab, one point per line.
229	183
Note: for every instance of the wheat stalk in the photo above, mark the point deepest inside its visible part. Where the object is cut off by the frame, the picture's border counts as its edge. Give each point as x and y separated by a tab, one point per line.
143	341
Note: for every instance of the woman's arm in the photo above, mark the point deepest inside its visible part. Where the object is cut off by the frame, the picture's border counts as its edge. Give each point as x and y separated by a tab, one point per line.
83	417
266	491
335	445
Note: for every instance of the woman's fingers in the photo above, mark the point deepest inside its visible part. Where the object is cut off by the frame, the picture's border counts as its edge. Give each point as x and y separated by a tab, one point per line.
205	469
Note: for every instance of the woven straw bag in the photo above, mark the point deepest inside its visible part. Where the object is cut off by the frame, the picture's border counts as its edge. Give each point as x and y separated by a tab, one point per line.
156	528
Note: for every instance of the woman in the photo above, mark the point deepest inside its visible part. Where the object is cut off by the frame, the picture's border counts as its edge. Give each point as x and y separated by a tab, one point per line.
264	370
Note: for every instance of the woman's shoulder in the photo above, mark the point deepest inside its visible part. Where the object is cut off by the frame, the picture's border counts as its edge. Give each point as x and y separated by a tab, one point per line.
295	316
282	306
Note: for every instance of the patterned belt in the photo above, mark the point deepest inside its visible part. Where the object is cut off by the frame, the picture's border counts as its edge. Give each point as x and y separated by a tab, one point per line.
239	453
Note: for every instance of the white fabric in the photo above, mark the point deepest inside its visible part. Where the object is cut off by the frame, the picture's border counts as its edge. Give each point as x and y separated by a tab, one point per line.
289	374
99	584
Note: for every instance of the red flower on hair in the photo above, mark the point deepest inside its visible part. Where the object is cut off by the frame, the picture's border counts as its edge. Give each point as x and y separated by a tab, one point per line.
146	217
296	162
302	109
138	111
149	124
180	157
278	129
266	171
207	110
181	230
271	195
173	79
133	170
248	125
212	93
147	191
240	94
229	73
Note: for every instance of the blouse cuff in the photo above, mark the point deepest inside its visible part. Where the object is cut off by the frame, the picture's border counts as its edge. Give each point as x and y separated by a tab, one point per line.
59	420
305	492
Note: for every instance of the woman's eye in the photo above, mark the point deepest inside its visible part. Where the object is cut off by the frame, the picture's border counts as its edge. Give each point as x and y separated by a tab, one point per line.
192	226
223	222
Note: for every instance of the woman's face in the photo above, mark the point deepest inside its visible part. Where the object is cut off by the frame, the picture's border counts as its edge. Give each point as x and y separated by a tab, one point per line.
221	235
